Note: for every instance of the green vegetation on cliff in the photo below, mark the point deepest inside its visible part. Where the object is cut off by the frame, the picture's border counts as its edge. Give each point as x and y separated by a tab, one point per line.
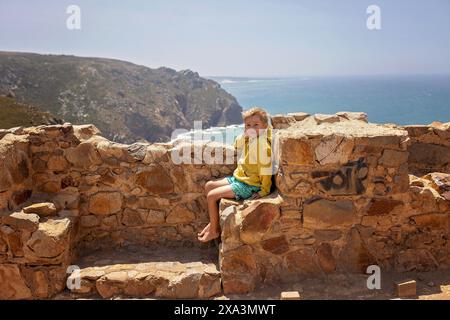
14	114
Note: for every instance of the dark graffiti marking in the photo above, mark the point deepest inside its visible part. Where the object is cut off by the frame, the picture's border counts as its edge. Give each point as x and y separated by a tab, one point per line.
350	179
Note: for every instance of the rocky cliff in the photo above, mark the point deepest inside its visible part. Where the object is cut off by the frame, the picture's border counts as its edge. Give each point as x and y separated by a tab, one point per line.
127	102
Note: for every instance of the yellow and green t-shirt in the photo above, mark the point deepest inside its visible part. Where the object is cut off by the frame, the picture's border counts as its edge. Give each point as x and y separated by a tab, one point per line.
254	165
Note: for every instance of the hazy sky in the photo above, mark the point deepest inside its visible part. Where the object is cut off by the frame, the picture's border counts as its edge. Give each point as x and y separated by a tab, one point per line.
240	38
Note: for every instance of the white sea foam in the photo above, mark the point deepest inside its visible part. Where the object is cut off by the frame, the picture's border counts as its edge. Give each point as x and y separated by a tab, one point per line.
226	81
226	134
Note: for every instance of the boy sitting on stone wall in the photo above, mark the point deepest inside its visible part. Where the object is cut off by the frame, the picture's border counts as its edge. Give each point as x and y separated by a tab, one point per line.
253	176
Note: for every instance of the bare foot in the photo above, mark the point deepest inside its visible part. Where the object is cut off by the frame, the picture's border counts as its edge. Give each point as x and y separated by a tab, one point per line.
208	226
209	235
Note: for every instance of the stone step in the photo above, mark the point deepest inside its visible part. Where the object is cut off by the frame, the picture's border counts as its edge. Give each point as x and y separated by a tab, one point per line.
146	272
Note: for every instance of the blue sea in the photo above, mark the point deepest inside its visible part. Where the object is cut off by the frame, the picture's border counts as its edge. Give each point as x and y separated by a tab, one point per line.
386	99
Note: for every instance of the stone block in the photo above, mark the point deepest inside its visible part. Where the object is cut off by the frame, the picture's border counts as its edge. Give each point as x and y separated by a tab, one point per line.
42	209
382	206
84	155
180	215
360	116
326	258
50	240
239	270
406	289
276	245
155	180
301	262
334	150
295	151
323	213
256	220
326	118
12	285
290	295
104	203
21	221
393	158
131	218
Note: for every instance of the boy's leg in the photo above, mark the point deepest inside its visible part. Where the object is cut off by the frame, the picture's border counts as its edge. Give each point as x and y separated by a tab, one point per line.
210	185
213	196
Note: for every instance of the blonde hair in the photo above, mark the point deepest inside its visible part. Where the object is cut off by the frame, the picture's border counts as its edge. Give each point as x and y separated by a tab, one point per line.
257	111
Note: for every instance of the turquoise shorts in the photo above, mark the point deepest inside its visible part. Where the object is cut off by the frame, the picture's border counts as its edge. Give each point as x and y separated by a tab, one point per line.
241	190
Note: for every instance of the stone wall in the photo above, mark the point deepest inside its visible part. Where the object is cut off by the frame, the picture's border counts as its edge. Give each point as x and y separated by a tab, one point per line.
345	201
120	192
429	149
64	189
34	250
348	194
15	171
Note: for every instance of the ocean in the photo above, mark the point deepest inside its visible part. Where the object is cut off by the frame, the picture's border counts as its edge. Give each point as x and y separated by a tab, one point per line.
386	99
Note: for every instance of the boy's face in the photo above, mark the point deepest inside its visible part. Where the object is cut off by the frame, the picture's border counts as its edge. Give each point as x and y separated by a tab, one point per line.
253	126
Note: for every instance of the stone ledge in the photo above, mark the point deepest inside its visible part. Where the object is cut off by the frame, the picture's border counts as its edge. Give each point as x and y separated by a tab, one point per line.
148	272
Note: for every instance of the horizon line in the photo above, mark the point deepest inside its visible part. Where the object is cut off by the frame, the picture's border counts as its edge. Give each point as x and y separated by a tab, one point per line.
280	76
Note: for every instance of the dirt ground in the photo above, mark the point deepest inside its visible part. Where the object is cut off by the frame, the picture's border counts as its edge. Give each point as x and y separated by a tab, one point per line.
430	286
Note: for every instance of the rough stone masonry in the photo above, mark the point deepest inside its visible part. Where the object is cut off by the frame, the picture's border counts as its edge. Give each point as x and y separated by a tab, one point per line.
349	194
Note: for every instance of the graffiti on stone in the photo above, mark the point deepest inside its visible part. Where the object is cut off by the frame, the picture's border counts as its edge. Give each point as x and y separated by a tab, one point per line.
350	179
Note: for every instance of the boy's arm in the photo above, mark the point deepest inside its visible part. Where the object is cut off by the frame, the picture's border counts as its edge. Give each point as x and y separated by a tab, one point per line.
266	183
266	173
